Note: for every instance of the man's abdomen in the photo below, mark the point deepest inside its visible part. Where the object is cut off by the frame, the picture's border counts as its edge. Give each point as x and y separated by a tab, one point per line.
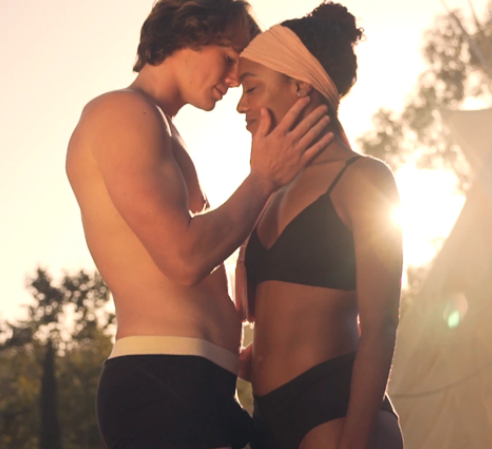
148	303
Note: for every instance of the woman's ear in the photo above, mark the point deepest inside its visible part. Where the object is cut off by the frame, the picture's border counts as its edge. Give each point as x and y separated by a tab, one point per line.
303	89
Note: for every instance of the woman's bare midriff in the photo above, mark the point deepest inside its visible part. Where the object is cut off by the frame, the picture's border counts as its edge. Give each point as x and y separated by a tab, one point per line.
298	327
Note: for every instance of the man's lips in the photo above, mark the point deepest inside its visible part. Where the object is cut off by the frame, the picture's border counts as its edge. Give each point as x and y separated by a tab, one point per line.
221	91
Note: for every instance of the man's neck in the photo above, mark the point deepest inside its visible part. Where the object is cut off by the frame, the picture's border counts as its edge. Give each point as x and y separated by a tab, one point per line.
159	84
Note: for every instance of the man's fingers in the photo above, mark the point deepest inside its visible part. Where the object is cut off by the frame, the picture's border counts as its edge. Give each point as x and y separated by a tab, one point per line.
312	151
292	115
265	123
314	132
308	122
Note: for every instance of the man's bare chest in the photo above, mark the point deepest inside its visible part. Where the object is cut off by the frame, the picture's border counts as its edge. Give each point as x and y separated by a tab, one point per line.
197	199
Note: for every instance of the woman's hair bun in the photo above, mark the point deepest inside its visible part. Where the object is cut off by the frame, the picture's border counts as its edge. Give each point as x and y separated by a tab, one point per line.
337	13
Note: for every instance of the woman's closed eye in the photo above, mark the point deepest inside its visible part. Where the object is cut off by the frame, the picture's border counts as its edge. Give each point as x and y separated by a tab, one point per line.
230	60
249	90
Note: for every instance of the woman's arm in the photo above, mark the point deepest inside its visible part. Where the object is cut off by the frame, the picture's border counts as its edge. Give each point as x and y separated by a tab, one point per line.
372	198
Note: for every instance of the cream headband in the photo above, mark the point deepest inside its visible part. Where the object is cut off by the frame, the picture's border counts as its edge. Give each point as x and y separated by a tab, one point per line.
280	49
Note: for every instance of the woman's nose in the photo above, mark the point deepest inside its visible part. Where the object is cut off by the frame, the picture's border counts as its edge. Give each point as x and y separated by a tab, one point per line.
242	106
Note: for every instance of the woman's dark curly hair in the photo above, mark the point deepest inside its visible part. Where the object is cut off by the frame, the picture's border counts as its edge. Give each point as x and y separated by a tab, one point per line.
176	24
330	33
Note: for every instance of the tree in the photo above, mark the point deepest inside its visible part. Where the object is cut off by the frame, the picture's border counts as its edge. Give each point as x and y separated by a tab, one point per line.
57	351
50	435
458	69
20	377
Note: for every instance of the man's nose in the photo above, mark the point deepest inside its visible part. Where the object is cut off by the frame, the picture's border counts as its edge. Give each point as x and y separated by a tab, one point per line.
232	78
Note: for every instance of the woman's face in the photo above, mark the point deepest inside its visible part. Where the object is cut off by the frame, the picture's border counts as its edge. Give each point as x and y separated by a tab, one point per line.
264	88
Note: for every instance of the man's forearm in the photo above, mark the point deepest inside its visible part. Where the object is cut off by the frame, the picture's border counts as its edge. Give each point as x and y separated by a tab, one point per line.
213	236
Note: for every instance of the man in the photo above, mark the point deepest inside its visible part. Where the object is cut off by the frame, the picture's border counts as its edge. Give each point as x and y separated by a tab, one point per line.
170	380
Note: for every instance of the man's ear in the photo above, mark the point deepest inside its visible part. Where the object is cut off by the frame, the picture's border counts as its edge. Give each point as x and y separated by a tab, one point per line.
303	89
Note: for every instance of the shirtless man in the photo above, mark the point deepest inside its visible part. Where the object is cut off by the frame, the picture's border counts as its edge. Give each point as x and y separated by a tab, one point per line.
170	380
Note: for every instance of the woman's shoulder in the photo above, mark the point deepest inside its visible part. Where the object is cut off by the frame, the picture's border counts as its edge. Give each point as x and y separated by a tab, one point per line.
371	166
368	169
370	178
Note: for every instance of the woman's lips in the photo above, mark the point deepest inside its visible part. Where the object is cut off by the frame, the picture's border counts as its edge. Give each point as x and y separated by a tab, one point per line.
249	123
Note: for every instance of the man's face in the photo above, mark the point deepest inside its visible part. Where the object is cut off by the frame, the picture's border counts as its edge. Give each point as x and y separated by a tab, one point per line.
205	75
264	88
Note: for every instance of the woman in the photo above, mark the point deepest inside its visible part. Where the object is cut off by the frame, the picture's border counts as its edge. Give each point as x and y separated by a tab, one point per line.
324	262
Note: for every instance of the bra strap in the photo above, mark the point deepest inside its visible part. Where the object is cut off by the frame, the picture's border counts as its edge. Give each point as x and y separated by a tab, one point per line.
342	171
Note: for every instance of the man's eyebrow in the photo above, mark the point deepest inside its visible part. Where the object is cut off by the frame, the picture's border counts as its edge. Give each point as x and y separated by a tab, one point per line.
245	75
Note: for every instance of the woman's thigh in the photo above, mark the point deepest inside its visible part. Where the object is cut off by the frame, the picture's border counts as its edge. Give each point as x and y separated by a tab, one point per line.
386	434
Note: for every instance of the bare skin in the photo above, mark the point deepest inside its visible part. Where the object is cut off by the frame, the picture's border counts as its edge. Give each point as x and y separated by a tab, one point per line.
145	216
297	326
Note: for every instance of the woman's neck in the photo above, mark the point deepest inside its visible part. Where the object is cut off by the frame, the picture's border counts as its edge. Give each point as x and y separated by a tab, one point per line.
337	150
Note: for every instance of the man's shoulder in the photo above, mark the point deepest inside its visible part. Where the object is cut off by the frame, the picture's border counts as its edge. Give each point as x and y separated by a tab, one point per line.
123	104
123	121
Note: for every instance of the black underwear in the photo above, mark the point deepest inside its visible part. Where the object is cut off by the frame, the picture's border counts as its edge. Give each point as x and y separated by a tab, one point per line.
285	416
169	402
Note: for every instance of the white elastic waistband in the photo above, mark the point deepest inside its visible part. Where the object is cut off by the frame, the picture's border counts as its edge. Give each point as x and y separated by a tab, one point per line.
170	345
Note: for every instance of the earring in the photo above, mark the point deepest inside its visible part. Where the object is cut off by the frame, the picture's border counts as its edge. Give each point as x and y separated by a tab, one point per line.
301	93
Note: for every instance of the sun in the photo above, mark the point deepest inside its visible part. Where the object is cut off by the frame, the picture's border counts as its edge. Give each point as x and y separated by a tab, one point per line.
430	205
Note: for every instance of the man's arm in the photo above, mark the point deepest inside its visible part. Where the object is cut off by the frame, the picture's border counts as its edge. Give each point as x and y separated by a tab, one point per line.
132	146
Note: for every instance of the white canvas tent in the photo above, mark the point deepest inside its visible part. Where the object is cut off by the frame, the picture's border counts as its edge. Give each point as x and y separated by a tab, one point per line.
441	382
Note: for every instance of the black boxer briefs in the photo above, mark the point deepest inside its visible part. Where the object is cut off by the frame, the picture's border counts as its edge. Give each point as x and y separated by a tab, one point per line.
169	402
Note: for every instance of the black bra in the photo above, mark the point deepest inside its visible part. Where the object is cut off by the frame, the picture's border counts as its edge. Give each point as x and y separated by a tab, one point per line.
316	248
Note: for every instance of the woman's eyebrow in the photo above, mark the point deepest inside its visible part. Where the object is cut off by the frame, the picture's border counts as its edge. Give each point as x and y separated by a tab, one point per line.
245	75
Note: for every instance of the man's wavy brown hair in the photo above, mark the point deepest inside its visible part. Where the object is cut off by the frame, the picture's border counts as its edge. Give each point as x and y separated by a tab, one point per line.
176	24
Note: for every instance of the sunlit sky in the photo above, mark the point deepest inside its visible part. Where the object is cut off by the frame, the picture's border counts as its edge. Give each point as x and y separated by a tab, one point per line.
56	55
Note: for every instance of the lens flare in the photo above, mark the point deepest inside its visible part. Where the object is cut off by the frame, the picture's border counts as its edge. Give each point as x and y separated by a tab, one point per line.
398	216
455	310
454	319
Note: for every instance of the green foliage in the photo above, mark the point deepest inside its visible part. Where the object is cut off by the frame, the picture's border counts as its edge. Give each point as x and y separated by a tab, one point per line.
78	374
457	70
72	315
20	378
